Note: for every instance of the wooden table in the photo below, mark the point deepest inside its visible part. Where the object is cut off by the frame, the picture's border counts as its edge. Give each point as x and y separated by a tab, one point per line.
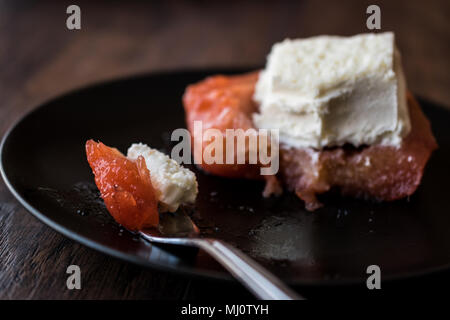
40	59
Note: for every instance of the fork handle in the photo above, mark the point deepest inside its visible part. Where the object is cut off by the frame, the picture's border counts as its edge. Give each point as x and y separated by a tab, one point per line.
262	283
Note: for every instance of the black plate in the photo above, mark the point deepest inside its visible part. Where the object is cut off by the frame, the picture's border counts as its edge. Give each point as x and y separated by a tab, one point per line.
44	165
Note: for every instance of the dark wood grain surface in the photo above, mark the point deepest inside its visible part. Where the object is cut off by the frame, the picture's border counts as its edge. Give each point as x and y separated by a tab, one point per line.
40	59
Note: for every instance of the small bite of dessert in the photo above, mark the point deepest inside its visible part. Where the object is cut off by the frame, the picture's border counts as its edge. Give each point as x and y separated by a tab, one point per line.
137	187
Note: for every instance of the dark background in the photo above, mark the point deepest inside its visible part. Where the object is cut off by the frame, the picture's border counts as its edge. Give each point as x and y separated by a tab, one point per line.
40	59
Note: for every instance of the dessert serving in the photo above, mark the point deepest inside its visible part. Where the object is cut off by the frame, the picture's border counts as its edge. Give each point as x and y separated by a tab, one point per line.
342	111
345	118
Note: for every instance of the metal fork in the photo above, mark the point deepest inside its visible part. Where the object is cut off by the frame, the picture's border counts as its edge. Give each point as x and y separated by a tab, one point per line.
179	229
